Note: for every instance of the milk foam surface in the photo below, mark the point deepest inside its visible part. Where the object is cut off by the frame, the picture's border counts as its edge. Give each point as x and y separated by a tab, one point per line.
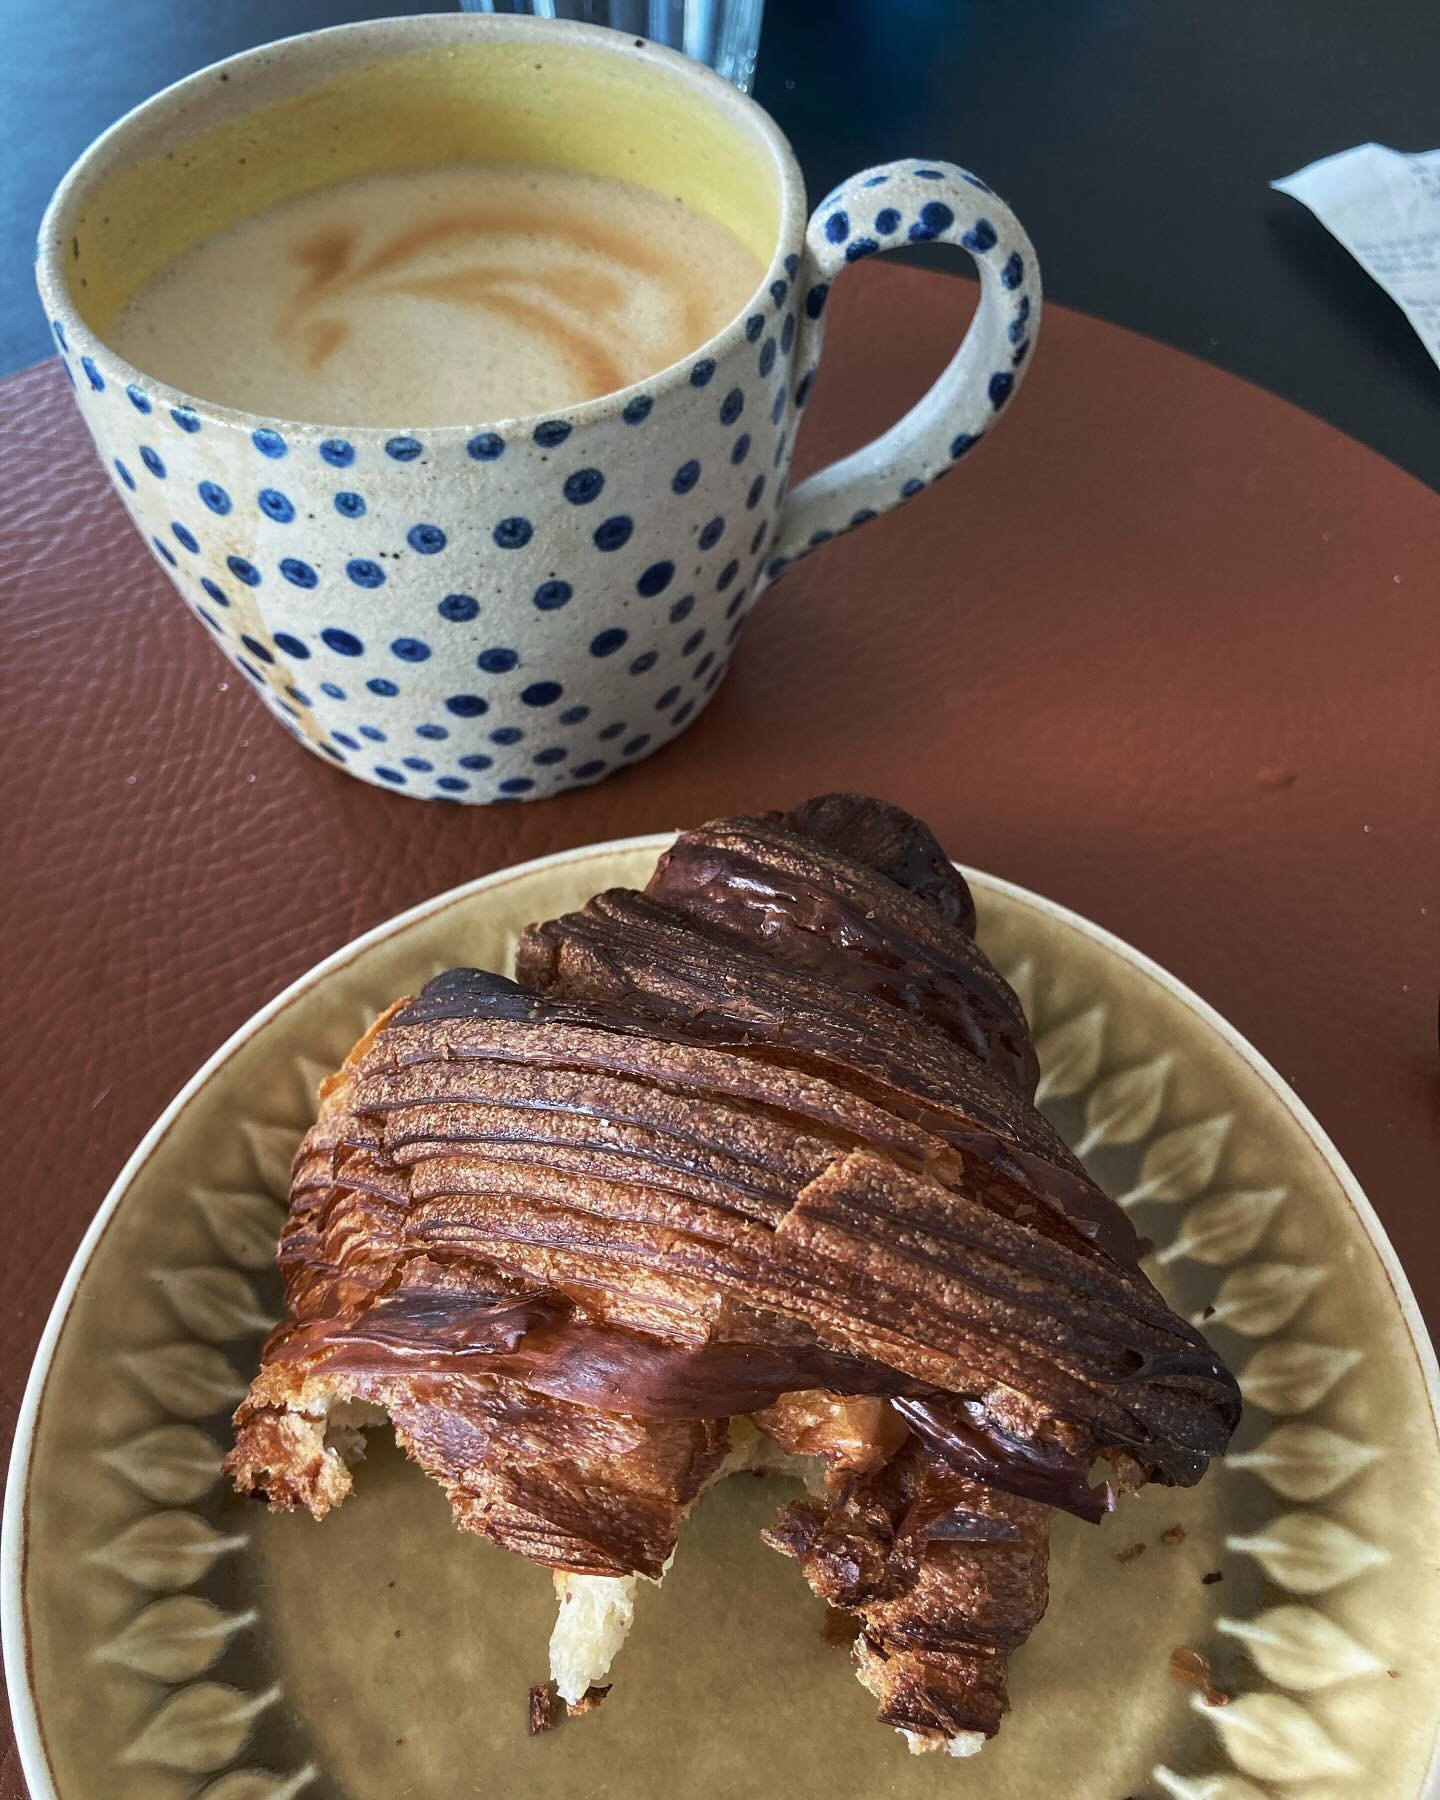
443	296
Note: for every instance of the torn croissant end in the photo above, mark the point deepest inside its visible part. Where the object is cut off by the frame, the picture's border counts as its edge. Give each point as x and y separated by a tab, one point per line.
742	1172
593	1617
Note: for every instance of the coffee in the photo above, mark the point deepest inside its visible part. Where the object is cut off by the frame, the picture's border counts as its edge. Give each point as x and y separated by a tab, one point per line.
439	296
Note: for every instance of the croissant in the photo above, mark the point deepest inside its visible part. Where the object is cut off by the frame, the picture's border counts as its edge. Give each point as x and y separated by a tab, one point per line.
744	1170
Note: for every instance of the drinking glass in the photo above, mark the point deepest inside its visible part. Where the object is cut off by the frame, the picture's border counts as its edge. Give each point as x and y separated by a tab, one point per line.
724	34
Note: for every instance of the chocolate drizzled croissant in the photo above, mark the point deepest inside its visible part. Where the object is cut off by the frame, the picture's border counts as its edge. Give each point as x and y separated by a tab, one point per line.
758	1144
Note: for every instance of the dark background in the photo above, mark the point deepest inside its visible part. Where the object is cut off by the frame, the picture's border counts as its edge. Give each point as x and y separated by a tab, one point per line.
1135	138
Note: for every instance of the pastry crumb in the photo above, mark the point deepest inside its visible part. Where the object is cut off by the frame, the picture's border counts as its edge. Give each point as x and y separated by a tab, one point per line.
543	1708
1211	1578
1125	1556
1174	1534
588	1701
1193	1668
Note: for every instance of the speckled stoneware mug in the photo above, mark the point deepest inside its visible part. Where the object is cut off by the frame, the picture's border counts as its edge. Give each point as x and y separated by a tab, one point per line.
504	608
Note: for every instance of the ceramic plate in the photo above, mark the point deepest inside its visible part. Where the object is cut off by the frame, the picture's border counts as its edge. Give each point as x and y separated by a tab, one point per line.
166	1640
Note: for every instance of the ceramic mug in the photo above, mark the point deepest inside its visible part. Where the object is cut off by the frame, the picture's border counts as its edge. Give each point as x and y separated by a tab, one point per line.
504	608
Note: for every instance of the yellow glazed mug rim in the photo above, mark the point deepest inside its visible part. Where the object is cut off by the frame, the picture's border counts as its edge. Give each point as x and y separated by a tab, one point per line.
305	62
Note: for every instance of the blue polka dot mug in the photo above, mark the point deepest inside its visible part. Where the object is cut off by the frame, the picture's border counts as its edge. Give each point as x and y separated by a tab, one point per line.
504	608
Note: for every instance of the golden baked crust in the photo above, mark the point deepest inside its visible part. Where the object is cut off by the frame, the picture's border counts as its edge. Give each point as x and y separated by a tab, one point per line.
759	1142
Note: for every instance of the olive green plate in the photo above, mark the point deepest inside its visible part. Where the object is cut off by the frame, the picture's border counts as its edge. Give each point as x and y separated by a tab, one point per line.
165	1639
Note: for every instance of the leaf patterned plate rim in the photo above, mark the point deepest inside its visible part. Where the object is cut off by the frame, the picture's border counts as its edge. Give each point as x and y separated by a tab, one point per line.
30	1736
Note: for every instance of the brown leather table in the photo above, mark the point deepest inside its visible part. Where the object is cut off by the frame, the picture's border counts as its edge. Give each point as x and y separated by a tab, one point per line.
1167	651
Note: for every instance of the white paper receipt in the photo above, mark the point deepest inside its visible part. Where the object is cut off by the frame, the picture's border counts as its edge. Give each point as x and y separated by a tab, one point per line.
1384	207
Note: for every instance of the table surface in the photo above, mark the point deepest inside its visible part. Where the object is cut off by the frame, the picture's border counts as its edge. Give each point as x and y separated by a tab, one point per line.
1135	140
1165	650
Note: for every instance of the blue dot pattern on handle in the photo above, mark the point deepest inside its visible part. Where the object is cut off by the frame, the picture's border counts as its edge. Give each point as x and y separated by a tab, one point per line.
269	443
459	609
276	506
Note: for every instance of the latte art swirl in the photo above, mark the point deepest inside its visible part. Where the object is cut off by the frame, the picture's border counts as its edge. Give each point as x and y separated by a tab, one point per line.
440	296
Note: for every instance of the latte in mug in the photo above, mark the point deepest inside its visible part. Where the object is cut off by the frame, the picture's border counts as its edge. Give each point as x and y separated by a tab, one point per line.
435	296
452	367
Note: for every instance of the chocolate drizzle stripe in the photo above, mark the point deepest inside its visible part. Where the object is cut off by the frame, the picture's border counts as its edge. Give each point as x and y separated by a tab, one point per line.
538	1341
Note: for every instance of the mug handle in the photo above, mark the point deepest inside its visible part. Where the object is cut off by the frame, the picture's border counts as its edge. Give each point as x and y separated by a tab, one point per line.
881	209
